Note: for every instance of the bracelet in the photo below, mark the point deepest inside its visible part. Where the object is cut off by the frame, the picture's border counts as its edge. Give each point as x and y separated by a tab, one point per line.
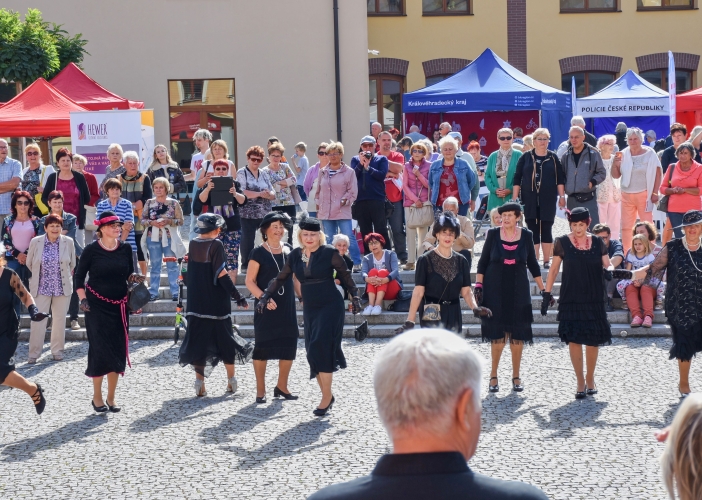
478	285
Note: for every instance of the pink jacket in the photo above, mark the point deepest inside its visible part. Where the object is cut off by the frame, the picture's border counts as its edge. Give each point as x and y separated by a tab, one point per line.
411	184
341	186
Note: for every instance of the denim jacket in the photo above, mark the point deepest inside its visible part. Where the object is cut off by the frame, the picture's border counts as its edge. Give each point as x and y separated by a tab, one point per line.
464	174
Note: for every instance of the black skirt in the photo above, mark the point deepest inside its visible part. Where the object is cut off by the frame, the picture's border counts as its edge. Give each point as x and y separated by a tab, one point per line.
687	341
108	344
209	341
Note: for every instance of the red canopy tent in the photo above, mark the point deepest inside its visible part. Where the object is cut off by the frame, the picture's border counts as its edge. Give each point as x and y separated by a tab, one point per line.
689	108
186	124
38	111
73	82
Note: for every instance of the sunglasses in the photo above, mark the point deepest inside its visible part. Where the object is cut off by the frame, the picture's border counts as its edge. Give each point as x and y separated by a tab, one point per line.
23	203
508	138
321	153
256	160
221	169
32	153
417	151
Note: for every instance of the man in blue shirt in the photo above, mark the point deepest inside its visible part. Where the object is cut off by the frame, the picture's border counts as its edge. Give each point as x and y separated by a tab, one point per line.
369	207
10	176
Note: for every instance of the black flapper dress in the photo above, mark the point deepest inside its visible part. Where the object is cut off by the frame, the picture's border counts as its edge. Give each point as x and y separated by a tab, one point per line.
10	287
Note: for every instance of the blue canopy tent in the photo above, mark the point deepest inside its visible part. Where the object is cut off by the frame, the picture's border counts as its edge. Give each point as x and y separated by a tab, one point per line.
629	99
490	84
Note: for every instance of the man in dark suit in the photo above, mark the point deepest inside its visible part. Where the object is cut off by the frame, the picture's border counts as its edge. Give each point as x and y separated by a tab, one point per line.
432	416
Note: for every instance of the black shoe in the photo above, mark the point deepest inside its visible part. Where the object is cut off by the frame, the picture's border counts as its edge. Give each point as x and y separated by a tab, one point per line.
517	387
494	388
260	401
99	409
277	393
175	298
591	392
113	409
547	265
582	394
320	412
153	298
39	400
609	307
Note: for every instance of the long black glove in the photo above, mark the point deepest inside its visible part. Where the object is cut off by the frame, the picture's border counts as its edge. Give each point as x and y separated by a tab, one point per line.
622	274
482	311
408	325
356	305
546	302
84	306
228	285
478	294
35	314
263	302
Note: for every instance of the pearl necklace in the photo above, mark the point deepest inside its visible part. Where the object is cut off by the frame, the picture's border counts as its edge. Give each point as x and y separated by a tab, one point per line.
281	290
436	249
105	247
687	247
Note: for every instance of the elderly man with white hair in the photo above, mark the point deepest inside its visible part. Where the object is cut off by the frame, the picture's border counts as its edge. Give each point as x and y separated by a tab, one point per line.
444	129
415	135
465	242
427	385
376	129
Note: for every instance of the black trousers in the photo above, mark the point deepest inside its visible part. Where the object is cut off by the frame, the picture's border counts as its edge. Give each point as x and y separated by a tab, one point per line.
248	238
290	210
371	219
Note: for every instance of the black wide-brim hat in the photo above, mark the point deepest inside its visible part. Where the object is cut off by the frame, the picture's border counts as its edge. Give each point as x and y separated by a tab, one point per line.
691	218
272	217
208	222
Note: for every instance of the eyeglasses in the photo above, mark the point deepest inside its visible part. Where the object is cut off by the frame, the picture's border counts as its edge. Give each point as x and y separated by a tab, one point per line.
32	153
333	154
542	139
321	153
275	156
417	151
508	138
255	160
23	203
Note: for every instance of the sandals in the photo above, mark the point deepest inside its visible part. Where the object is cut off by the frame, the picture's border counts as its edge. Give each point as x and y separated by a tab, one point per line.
517	387
494	388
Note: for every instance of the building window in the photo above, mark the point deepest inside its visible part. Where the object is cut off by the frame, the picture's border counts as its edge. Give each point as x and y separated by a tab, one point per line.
7	91
664	4
587	82
386	7
431	80
386	100
588	5
195	104
446	7
659	78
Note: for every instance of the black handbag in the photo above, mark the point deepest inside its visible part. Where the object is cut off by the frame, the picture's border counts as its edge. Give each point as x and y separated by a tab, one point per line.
584	197
401	304
663	201
138	296
361	332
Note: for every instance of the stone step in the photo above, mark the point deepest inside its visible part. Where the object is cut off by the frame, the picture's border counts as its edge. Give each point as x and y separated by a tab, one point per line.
246	317
375	331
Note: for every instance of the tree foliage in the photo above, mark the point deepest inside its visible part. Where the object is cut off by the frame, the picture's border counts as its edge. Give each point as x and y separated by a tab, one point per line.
33	48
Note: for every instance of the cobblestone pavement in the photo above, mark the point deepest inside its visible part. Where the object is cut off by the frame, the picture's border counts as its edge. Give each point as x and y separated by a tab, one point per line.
168	444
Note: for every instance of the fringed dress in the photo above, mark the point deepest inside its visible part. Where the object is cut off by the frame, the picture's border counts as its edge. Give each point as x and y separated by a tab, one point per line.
10	287
582	317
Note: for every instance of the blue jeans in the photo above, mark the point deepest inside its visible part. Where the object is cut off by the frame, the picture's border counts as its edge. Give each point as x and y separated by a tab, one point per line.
343	226
676	220
312	214
156	255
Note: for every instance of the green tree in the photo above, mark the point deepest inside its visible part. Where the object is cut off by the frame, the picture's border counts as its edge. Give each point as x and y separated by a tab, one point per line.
71	49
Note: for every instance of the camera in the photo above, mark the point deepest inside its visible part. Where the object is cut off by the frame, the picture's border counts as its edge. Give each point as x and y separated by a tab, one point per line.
368	155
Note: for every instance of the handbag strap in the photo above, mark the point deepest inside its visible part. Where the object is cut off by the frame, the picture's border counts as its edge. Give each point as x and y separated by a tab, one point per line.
670	179
432	269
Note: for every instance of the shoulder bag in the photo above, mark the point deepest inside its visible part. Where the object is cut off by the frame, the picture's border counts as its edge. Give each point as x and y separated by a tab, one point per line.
663	202
138	296
37	197
432	312
420	216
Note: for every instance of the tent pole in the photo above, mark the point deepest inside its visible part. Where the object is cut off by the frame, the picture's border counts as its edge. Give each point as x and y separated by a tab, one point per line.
50	144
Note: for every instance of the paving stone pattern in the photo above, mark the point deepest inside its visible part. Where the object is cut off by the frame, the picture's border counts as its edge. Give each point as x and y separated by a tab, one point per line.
168	444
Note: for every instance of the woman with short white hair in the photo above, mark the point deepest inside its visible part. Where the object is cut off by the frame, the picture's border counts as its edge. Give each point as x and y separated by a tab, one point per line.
609	192
640	172
451	176
115	168
136	188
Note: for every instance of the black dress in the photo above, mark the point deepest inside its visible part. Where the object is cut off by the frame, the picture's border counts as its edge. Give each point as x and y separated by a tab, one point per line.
323	306
276	331
538	178
683	296
107	322
506	289
210	337
10	287
443	280
582	318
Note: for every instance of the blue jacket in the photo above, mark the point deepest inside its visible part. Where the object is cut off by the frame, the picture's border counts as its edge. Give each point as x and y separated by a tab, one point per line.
464	174
371	182
391	264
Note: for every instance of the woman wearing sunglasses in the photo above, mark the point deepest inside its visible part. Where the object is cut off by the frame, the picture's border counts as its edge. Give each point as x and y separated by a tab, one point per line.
499	174
259	192
36	174
415	185
311	183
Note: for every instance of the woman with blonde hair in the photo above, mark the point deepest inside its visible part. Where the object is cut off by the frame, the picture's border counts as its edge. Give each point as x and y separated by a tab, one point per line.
609	192
164	166
114	169
36	174
681	462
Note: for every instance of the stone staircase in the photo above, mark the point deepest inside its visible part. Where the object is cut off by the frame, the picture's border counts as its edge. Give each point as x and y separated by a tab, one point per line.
158	318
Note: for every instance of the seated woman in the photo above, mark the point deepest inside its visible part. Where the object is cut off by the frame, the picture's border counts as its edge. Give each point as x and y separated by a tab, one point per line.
341	243
381	272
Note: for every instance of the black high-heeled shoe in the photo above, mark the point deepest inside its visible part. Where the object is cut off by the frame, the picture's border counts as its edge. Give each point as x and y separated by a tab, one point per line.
40	403
277	393
320	412
493	388
99	409
517	387
591	391
581	394
112	408
260	400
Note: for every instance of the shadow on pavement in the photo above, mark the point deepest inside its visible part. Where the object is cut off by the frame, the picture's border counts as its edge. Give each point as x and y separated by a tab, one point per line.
243	421
174	411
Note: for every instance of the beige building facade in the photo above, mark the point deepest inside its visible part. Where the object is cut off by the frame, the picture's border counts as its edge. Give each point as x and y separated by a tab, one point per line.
247	70
421	42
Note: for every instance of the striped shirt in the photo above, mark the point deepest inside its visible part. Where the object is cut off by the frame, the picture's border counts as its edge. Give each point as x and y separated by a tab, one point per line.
123	210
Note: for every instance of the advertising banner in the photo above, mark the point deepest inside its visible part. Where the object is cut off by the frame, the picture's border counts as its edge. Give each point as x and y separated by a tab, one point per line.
92	132
606	108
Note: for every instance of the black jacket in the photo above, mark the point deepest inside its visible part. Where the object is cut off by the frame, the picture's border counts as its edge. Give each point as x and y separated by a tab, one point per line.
545	199
621	140
83	192
437	476
590	139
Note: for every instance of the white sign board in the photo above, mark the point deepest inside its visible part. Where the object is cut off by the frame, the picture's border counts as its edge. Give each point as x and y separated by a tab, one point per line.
92	132
608	108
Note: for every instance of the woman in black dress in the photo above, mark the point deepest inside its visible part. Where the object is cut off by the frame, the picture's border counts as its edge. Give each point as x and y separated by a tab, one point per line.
103	299
502	286
582	318
276	330
682	259
313	264
210	337
442	276
539	180
10	286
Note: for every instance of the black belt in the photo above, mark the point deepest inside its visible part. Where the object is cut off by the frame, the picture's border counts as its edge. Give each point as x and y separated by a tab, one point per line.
434	300
315	282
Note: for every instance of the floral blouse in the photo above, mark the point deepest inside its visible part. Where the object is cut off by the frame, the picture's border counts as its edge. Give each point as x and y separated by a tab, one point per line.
50	274
609	191
171	211
283	196
10	251
32	179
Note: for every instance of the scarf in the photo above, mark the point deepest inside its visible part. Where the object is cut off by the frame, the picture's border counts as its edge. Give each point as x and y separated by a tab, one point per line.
503	160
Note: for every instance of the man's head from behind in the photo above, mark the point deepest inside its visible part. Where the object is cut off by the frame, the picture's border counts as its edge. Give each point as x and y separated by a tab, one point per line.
427	384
